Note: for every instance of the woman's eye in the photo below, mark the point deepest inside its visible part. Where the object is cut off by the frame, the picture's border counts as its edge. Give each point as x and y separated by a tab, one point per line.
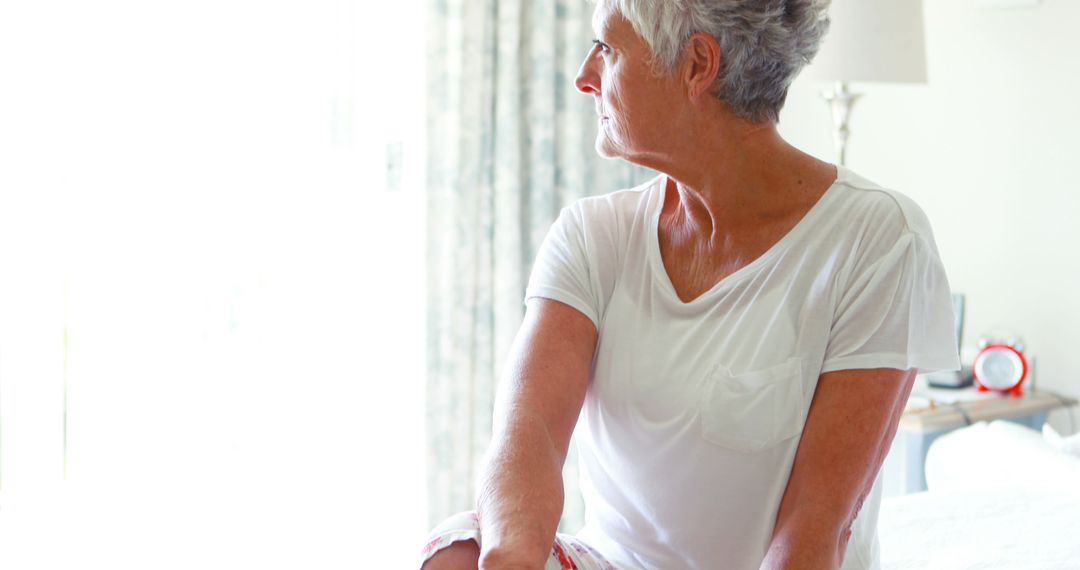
603	47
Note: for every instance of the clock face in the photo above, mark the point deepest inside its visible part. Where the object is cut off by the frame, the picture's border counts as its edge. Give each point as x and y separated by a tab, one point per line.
999	369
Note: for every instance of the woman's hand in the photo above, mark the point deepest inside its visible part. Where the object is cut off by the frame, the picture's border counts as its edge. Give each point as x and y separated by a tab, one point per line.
502	560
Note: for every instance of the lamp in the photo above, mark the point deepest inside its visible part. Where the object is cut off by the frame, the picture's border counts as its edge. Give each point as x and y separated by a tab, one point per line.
868	40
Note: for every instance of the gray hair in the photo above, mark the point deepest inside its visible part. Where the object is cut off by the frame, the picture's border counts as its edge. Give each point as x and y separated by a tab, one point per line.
764	43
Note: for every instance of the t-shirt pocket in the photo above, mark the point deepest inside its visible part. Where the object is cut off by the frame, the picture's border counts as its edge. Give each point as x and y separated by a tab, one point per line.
753	410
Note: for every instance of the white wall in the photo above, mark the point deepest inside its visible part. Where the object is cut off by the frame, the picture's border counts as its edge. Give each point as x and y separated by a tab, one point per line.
989	150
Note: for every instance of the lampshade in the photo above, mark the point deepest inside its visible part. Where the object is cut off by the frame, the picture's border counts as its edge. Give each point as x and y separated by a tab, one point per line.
873	40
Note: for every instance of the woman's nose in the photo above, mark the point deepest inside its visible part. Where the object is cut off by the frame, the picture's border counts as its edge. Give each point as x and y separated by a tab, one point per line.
588	77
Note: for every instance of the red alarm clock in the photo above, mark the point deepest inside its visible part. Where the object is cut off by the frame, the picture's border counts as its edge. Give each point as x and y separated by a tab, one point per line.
1000	367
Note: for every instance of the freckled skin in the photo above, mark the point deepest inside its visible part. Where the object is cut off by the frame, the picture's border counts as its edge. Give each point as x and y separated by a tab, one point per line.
735	186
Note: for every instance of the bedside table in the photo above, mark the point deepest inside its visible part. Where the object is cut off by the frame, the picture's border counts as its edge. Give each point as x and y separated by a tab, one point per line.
928	417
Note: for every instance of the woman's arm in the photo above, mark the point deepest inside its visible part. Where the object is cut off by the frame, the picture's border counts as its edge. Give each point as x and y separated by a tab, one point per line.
849	429
521	488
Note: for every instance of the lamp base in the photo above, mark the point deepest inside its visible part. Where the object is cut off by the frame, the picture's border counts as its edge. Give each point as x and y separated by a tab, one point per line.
841	100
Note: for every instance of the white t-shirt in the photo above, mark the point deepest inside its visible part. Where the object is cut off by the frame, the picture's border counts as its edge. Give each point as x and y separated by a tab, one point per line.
695	410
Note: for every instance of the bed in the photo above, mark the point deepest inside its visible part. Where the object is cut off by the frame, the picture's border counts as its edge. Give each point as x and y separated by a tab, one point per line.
1000	497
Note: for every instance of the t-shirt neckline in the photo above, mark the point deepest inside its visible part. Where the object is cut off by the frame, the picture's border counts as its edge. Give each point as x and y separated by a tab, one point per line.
660	272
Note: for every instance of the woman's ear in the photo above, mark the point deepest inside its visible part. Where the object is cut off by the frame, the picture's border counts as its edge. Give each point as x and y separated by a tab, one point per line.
701	64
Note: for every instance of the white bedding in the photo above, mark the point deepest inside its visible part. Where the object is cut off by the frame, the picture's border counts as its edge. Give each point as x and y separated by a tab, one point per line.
1000	498
979	529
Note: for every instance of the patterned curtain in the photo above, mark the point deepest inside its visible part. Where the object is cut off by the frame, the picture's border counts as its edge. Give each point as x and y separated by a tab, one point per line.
510	142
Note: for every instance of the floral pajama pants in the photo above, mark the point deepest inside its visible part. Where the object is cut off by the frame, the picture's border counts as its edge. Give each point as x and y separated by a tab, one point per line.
567	553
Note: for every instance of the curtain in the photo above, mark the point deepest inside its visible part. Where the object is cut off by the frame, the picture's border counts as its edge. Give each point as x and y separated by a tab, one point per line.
509	143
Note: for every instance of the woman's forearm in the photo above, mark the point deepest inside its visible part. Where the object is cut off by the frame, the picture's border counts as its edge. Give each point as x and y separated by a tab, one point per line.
808	544
521	496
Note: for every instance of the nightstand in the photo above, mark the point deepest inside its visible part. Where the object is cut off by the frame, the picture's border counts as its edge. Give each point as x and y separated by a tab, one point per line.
933	413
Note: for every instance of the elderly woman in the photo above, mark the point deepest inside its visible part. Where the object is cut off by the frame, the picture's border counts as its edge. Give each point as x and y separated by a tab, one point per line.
738	335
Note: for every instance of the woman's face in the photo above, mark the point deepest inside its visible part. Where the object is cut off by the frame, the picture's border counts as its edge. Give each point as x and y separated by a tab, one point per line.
632	102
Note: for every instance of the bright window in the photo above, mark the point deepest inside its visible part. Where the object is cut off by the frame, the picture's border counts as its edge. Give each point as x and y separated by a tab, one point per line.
211	284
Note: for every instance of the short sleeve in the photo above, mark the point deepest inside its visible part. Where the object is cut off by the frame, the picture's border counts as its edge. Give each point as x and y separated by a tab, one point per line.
895	312
561	271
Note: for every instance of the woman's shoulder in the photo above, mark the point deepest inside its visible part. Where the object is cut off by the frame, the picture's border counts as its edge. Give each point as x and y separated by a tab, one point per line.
877	206
619	201
616	210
